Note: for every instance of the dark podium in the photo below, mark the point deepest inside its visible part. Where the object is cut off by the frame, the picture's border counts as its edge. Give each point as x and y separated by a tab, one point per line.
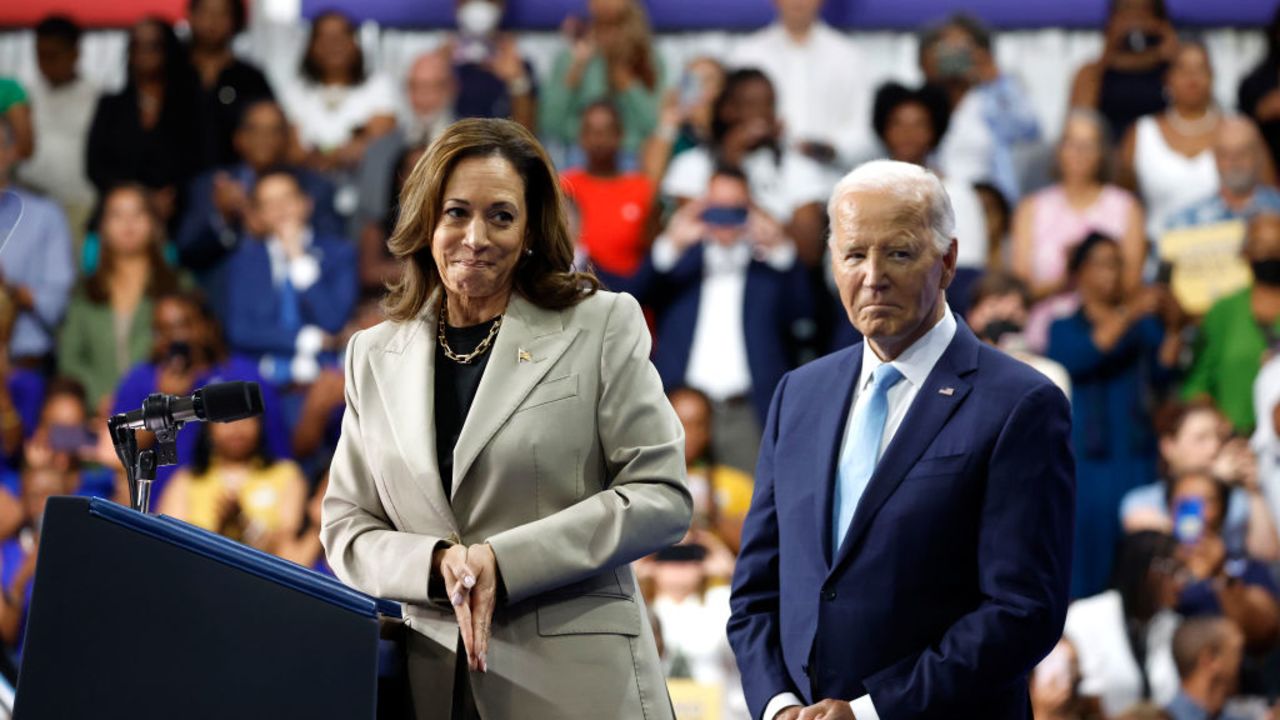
143	616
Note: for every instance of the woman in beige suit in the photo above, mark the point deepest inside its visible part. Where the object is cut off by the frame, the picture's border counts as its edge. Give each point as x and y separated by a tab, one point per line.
506	451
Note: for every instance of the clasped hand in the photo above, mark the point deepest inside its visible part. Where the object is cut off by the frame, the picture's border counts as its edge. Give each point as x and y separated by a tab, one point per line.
470	575
825	710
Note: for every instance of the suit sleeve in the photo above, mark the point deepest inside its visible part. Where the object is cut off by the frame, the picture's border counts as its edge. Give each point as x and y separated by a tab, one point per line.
646	506
753	625
362	546
1024	566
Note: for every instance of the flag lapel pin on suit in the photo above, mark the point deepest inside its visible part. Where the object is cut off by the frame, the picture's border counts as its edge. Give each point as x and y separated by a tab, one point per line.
524	356
948	391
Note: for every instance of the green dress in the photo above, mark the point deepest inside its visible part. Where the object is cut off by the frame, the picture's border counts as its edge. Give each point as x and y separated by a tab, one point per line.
560	107
1228	356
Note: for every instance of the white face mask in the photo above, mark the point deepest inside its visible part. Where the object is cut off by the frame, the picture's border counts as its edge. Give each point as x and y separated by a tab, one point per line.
478	17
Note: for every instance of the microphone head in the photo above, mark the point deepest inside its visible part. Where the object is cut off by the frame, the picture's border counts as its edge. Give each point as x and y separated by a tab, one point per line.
229	401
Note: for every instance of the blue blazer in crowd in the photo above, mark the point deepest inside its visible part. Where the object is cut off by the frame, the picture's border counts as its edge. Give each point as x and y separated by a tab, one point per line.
253	318
777	312
951	583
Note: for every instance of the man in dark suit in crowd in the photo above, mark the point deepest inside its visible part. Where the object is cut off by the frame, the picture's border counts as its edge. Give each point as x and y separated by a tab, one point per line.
908	548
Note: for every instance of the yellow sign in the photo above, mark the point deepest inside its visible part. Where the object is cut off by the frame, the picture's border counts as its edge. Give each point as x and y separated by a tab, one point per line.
1206	263
696	701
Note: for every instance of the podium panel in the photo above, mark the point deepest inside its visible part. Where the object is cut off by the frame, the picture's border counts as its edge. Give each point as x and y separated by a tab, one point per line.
138	616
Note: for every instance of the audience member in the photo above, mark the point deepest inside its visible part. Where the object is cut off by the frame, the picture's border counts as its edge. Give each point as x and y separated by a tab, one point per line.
187	352
615	207
306	286
1055	687
1194	437
746	133
1265	442
991	117
1124	636
731	302
108	325
1119	348
227	85
21	395
1259	92
1168	157
1239	328
609	56
1049	223
1127	82
910	124
68	439
1208	653
378	267
18	553
999	218
15	108
431	89
721	494
684	121
218	203
306	549
825	107
336	106
37	269
494	80
1240	156
236	488
998	313
146	133
1233	585
62	105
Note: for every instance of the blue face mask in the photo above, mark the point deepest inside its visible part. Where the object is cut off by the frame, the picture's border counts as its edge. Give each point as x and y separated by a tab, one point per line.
725	216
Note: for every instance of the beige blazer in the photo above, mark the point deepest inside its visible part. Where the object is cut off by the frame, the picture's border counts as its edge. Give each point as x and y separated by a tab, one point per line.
570	464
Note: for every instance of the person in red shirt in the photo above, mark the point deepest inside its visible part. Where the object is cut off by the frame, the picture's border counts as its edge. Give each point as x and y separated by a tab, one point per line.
615	207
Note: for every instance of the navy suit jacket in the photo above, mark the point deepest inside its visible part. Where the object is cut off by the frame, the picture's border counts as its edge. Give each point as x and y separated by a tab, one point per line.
952	581
252	305
777	311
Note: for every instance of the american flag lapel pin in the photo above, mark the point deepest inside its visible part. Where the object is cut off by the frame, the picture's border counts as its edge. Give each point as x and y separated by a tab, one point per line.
523	356
948	391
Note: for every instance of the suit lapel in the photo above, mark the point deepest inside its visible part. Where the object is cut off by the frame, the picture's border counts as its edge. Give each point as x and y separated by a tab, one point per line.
530	342
942	393
405	371
828	438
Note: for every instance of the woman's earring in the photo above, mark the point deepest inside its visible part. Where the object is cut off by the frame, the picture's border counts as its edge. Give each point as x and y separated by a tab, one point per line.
528	252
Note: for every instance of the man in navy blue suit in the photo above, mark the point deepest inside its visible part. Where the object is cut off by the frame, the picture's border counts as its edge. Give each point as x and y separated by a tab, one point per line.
907	553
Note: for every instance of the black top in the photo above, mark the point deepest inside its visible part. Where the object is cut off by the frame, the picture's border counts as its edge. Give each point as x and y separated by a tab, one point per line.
238	86
1126	96
1255	86
456	386
120	149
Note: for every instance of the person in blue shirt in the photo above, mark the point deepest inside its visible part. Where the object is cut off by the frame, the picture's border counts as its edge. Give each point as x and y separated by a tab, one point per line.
1240	155
18	553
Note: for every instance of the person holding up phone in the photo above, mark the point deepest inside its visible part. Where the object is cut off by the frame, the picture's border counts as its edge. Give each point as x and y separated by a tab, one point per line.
732	306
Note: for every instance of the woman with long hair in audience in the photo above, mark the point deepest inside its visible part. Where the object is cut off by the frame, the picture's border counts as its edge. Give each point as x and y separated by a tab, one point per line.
1120	348
235	487
610	56
336	106
107	328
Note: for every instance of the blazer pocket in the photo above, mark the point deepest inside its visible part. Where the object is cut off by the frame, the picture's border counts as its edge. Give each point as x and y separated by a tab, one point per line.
594	614
939	465
550	391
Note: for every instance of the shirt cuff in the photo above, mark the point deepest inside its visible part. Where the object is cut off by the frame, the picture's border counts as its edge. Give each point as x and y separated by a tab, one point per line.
779	703
304	271
310	341
665	256
864	709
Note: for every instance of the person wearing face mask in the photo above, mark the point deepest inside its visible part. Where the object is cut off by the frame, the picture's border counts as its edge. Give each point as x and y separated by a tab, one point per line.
998	313
1241	158
730	300
494	79
1239	329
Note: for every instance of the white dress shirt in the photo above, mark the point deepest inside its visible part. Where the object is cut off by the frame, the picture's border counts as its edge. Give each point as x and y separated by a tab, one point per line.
915	363
820	97
303	272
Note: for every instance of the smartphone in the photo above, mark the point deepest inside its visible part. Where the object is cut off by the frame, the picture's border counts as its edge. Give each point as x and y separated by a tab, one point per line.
681	553
1188	520
70	438
725	216
690	91
179	352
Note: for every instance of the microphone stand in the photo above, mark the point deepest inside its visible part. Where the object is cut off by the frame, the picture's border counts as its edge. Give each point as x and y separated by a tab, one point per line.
140	465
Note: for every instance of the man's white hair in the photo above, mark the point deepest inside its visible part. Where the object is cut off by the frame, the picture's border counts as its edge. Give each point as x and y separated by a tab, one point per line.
911	185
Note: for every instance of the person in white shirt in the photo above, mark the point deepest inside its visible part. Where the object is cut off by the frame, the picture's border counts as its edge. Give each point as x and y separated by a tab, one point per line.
62	105
824	102
747	134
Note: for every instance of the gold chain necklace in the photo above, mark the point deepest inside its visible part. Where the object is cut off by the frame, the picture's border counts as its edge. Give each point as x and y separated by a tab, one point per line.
468	358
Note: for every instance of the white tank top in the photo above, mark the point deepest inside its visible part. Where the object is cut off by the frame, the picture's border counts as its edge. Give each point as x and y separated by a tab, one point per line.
1169	181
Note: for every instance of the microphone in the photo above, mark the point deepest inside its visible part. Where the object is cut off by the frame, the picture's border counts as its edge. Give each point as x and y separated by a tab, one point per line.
220	402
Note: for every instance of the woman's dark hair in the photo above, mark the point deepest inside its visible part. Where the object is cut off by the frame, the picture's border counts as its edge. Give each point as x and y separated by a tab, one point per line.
1158	9
202	455
732	83
545	276
163	278
311	69
396	185
239	13
1080	253
180	77
999	284
891	96
196	300
1137	556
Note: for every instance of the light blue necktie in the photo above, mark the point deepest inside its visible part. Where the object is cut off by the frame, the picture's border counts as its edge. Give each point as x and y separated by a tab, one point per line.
862	451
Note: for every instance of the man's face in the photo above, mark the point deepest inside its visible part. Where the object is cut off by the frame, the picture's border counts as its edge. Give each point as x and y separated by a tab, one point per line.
798	13
174	321
431	86
600	136
1238	156
56	59
212	23
725	191
280	203
890	275
909	133
263	137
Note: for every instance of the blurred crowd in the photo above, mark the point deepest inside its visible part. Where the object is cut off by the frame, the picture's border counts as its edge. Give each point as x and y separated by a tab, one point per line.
206	224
